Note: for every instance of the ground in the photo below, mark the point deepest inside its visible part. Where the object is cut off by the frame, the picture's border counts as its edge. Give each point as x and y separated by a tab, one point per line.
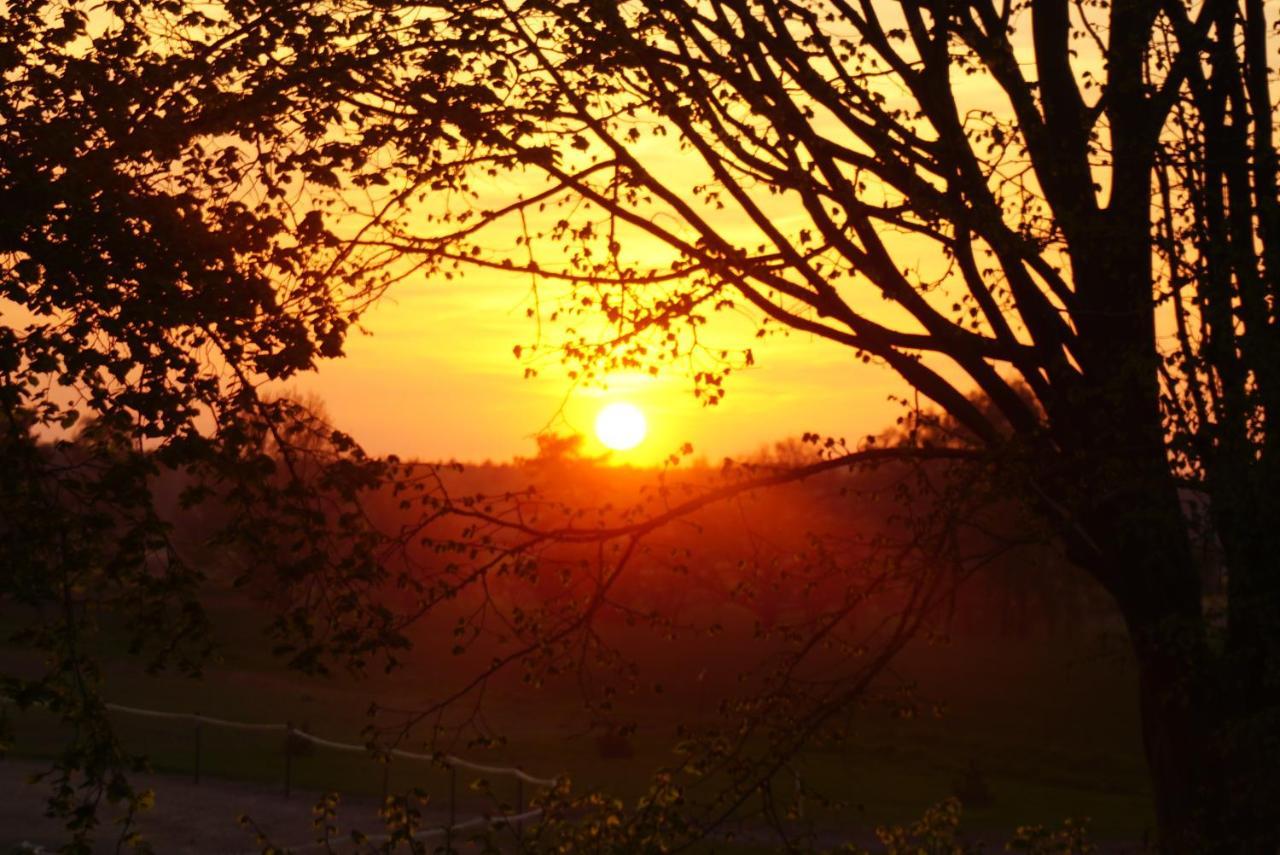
201	819
187	818
1051	726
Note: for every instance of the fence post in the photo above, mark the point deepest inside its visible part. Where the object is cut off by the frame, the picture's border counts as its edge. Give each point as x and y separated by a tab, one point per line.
288	758
199	728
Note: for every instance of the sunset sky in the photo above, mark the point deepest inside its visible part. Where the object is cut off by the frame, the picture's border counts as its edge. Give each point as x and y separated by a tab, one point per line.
685	411
437	379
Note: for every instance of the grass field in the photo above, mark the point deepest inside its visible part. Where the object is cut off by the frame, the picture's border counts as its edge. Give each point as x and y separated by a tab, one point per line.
1052	727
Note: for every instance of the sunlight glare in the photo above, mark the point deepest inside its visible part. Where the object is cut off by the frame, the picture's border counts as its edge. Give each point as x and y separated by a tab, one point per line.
621	426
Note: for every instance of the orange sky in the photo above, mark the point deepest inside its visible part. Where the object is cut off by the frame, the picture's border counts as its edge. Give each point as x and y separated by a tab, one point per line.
437	379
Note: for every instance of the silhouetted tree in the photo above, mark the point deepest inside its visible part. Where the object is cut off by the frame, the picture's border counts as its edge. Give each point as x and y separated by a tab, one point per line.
144	298
1078	198
555	448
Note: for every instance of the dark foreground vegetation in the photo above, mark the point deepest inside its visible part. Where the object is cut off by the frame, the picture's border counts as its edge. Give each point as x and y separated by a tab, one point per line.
1017	698
1057	223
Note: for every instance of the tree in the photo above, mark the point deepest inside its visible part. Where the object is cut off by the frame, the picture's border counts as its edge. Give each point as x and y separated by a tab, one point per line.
1077	197
143	302
1080	198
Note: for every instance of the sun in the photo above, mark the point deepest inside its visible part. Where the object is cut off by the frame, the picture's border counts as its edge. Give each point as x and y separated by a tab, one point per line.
621	426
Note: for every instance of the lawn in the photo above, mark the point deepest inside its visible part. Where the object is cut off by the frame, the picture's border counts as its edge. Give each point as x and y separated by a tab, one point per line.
1051	727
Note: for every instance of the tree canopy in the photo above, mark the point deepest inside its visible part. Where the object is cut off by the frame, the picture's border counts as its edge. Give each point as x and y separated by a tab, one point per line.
1078	199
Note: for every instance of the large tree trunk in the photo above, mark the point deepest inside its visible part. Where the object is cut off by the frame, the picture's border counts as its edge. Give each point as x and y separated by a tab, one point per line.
1212	756
1113	433
1173	696
1215	777
1153	578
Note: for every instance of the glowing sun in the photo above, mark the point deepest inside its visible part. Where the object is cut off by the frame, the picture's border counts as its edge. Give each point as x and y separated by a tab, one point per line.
621	426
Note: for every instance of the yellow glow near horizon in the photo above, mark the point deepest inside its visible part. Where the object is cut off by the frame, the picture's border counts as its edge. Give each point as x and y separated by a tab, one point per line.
621	426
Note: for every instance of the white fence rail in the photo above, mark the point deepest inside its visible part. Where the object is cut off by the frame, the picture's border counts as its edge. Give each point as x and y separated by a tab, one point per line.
449	761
